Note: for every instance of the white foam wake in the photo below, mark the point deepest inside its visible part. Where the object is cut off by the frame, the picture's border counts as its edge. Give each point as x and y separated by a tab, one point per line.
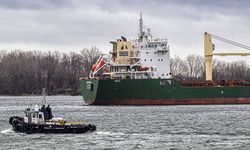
7	131
109	133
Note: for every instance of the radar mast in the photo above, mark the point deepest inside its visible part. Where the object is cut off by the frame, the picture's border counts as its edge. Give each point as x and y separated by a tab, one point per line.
141	33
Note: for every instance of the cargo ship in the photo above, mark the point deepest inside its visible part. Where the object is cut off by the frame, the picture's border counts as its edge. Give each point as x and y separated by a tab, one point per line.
138	73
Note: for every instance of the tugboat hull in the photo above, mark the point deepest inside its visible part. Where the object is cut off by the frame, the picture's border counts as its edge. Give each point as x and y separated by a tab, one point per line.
20	126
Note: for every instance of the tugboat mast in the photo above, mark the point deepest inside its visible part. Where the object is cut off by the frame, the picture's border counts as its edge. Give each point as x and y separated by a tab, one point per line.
44	96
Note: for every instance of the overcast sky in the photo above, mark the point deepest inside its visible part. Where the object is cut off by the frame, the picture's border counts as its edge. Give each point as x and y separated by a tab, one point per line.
71	25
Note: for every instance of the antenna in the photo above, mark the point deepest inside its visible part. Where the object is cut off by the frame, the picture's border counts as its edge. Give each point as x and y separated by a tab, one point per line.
143	34
141	24
44	96
140	35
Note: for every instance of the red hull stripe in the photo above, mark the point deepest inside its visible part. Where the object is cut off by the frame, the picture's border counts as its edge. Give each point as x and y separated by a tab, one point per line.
200	101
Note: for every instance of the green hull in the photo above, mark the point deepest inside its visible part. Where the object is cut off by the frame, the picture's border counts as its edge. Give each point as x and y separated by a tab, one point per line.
159	92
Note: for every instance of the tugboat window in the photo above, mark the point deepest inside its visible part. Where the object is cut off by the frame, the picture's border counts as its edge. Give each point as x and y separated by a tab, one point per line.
40	116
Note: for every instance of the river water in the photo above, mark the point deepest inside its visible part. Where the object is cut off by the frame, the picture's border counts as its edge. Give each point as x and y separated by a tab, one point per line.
132	127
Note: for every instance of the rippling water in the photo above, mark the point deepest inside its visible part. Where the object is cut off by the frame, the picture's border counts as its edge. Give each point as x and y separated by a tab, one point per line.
143	127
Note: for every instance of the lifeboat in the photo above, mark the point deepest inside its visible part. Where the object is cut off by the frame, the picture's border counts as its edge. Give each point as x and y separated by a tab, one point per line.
143	68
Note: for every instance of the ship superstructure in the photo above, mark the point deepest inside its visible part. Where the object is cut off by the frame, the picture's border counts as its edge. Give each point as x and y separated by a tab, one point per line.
143	58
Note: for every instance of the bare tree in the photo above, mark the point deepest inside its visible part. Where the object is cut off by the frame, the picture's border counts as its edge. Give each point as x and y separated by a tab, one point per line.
195	64
178	67
89	57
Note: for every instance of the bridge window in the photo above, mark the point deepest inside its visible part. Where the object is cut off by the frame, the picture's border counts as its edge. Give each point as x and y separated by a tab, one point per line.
123	53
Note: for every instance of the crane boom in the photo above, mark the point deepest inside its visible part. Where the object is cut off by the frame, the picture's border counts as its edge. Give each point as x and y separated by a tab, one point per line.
208	51
231	54
229	41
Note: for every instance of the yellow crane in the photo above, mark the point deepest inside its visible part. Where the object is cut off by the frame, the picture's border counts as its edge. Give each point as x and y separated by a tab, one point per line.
208	51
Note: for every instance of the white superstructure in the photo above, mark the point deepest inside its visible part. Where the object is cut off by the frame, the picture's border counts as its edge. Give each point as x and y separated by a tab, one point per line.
143	58
155	55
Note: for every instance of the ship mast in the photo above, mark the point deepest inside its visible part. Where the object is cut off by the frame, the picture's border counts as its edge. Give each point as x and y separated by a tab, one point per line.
141	32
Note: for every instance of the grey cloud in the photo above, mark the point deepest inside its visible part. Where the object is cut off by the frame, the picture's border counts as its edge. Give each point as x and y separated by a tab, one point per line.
80	23
34	4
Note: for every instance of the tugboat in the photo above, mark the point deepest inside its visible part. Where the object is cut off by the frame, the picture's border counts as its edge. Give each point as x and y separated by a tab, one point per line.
41	120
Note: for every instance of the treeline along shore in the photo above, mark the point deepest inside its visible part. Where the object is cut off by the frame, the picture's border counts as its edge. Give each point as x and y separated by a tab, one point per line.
27	72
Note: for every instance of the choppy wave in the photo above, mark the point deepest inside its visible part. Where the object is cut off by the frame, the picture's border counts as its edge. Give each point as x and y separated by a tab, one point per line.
144	127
